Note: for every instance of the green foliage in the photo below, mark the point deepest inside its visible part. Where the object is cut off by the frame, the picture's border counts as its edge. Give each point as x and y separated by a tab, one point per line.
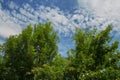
33	47
19	54
53	71
44	42
1	48
94	58
33	55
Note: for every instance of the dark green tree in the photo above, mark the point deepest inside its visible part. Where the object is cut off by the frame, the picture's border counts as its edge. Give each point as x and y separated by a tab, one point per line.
0	53
51	71
19	54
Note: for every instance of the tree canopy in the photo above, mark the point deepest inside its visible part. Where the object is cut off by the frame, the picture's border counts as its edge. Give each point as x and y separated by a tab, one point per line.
33	55
94	57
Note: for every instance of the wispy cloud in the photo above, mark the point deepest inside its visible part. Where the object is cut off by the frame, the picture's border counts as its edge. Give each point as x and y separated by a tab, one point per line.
12	5
27	14
91	15
12	21
63	22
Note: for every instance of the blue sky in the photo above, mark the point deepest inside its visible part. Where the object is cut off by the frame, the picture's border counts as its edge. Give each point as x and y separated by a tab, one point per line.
65	16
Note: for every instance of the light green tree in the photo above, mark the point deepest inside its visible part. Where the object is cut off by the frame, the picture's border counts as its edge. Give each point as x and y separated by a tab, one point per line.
34	47
33	55
94	57
45	43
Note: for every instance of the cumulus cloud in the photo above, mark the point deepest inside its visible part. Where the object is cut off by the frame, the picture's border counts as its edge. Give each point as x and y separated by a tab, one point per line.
7	25
107	10
8	29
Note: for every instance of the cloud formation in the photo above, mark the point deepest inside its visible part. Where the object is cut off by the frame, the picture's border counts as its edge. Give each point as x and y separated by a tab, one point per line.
63	22
90	14
107	10
14	20
7	25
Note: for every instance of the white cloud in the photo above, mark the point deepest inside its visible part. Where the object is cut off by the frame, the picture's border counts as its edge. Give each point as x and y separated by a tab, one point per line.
11	21
7	25
61	22
107	10
8	29
12	5
104	12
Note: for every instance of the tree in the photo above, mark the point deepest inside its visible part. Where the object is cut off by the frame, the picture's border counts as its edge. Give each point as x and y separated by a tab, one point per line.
33	55
94	57
45	43
19	54
51	71
33	47
1	53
